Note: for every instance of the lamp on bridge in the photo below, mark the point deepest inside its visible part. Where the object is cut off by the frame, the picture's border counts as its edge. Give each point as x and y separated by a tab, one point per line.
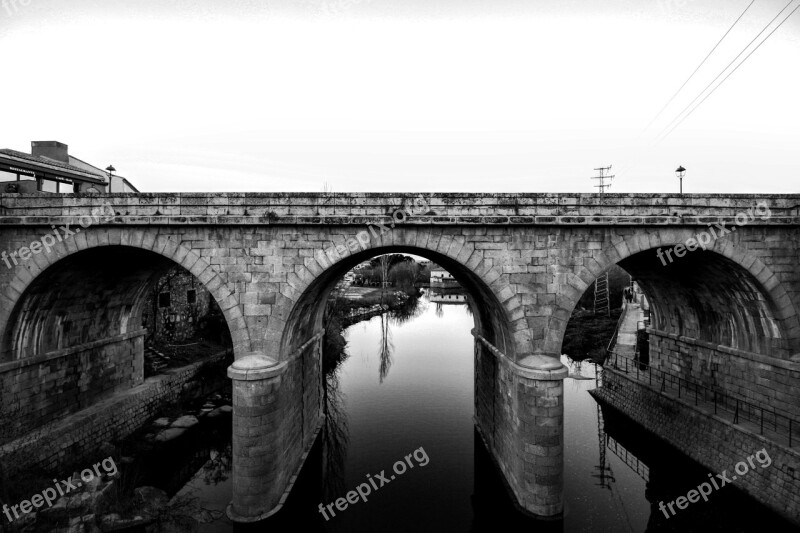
680	171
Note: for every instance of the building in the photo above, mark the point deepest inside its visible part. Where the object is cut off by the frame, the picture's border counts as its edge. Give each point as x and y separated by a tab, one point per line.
49	169
441	277
178	309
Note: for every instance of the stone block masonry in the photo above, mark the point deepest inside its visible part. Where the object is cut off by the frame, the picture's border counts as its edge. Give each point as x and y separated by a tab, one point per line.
75	439
39	390
277	417
519	413
711	441
526	258
760	379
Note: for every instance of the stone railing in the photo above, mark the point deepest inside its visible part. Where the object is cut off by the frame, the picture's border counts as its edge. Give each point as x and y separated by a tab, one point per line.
425	208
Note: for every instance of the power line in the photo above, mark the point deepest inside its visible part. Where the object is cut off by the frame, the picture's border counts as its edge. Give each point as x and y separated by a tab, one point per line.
698	66
732	71
661	135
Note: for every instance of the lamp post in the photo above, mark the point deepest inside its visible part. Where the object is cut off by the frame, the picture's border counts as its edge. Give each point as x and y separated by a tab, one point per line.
110	169
680	171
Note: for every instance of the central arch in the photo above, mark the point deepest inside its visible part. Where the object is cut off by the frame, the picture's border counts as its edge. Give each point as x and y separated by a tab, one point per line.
519	399
491	318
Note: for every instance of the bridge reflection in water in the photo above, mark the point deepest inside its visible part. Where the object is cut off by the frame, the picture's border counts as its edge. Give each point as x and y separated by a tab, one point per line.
615	472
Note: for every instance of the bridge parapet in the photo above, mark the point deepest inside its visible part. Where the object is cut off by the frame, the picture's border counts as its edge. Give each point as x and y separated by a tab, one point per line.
428	208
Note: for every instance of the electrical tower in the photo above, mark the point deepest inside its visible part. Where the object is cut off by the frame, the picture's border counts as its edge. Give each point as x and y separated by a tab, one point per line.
602	185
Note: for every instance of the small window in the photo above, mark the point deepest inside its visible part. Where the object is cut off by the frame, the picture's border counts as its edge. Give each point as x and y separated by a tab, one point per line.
49	186
7	176
164	299
191	296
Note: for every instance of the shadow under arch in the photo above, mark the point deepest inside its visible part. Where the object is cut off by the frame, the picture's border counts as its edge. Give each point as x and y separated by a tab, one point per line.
306	316
89	295
720	296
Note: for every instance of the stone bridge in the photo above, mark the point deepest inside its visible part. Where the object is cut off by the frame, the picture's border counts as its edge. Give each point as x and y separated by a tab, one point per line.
720	271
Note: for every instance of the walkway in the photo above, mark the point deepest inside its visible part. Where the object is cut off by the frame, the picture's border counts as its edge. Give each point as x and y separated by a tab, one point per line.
626	336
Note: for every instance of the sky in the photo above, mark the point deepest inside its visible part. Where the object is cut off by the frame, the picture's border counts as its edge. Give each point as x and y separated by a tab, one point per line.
407	96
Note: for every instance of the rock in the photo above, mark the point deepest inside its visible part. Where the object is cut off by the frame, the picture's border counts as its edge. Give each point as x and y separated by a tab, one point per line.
169	434
151	500
219	411
186	422
174	524
80	502
161	422
108	450
57	510
114	522
103	493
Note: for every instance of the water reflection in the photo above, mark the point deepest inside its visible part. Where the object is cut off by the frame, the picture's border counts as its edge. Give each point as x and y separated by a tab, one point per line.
404	380
386	348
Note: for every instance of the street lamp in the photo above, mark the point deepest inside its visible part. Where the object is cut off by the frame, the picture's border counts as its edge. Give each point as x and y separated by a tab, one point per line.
680	171
110	169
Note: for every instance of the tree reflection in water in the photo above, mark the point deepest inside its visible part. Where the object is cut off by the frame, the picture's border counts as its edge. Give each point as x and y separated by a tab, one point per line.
385	348
335	434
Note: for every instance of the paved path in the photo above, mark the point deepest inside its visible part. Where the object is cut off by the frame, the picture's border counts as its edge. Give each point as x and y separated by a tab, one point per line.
626	336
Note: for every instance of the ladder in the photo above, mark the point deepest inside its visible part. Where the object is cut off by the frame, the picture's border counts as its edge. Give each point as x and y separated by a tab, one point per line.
601	302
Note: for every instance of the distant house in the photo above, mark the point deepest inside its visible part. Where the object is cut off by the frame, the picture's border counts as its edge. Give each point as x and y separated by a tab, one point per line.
444	298
440	276
49	169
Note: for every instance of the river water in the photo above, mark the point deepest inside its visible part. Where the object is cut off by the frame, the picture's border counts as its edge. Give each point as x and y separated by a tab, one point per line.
404	392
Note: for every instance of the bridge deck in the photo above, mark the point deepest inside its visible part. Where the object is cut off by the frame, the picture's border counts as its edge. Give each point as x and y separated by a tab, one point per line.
427	208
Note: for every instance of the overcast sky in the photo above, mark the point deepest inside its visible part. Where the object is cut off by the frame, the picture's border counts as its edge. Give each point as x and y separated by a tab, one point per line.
412	95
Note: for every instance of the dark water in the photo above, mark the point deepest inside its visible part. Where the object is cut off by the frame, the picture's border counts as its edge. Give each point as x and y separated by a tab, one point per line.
407	385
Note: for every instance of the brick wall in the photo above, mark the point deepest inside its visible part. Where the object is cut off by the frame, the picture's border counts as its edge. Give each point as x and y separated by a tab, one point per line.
711	441
38	390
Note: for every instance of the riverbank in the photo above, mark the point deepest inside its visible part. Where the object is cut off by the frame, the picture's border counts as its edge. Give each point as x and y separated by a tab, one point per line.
587	334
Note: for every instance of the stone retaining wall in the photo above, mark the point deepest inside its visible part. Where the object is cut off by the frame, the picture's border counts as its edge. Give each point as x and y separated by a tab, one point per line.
759	379
77	438
38	390
711	441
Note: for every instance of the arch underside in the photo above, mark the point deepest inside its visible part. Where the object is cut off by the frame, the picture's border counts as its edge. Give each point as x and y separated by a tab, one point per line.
706	296
88	296
307	314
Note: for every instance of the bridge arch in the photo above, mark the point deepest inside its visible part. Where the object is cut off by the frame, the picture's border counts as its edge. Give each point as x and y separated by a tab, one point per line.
495	306
30	312
723	295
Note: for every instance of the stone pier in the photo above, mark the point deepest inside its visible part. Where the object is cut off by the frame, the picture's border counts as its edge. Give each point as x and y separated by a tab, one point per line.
257	453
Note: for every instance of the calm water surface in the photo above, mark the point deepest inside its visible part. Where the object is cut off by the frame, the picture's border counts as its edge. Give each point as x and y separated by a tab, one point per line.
406	385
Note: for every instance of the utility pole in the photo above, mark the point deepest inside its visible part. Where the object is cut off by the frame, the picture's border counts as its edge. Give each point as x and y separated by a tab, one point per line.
602	185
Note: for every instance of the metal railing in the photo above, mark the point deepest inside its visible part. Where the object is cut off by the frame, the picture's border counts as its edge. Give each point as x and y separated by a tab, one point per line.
612	343
724	404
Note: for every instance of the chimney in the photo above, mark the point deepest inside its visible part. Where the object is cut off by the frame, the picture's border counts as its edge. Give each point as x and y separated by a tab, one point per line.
50	149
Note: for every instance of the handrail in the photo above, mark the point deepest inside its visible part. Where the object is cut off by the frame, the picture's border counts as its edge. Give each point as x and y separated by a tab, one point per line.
777	422
613	340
